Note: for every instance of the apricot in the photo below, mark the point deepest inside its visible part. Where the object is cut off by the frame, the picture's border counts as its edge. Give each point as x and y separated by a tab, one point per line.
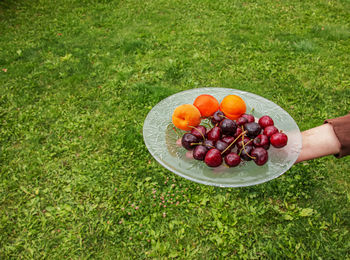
233	106
186	116
206	104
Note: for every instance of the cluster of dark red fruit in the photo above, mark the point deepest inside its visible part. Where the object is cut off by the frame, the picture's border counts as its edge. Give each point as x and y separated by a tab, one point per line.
234	140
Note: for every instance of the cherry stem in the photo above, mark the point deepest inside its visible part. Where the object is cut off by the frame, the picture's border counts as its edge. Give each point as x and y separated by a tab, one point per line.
247	153
228	147
198	131
244	145
251	140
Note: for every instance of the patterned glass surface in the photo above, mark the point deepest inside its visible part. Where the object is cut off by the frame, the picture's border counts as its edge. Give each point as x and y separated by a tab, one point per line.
160	139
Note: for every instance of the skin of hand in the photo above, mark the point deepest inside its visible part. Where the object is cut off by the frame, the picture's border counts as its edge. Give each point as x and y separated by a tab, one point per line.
318	142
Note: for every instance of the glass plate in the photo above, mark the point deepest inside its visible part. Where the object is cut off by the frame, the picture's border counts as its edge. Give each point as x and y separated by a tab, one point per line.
160	138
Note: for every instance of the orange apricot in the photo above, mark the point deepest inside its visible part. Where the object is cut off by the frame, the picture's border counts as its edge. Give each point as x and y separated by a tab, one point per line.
206	104
233	106
186	116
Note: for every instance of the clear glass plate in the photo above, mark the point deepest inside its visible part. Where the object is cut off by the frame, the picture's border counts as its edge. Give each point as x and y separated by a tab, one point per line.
160	138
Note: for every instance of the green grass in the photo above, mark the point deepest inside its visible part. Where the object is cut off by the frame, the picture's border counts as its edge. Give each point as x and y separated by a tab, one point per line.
77	81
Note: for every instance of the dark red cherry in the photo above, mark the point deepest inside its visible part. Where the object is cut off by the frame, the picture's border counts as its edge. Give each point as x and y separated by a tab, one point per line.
238	132
254	129
222	146
260	156
265	121
213	158
270	130
262	141
189	141
247	142
217	117
214	134
241	121
228	127
199	132
245	153
209	144
232	159
228	140
199	152
279	140
250	117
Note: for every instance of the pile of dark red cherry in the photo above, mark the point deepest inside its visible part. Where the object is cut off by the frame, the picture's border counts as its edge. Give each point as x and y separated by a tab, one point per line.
234	140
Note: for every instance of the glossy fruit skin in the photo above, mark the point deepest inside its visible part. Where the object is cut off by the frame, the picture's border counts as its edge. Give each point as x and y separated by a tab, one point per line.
232	159
199	152
279	140
228	127
214	134
209	144
187	140
241	121
262	141
265	121
254	129
199	132
221	146
217	117
238	132
246	152
213	158
228	140
250	117
247	142
261	155
270	130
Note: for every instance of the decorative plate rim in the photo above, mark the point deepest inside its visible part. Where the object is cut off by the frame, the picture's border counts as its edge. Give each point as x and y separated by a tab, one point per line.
229	185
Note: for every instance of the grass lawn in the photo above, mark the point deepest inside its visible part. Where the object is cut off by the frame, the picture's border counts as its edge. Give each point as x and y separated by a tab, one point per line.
77	79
